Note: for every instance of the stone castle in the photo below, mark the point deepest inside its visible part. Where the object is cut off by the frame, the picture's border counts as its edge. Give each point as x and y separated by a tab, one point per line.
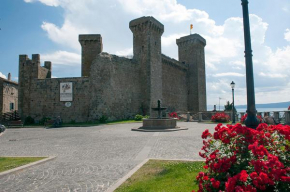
118	87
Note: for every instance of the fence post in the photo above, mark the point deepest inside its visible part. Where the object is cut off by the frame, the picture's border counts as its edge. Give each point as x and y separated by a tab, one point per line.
287	117
276	116
200	116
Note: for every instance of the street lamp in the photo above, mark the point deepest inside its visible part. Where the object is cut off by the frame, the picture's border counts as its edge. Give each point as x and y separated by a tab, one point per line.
251	120
233	87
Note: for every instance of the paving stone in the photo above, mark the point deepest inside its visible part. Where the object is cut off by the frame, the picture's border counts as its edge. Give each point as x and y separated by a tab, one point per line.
92	158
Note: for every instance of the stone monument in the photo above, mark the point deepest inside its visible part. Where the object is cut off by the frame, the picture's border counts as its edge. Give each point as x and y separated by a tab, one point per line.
159	124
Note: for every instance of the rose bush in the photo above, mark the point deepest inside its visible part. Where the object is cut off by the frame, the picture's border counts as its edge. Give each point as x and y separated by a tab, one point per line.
174	115
240	159
220	117
243	118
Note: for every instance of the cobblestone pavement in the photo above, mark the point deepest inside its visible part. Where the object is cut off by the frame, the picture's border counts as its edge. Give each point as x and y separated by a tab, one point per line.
92	158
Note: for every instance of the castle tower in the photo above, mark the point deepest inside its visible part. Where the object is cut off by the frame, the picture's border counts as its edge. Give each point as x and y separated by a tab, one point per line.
92	45
147	32
191	52
28	70
9	77
47	65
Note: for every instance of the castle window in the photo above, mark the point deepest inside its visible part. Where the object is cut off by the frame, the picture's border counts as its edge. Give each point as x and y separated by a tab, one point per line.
155	43
11	106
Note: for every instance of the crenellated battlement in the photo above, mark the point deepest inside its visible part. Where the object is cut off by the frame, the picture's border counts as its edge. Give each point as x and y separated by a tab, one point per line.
31	67
191	39
87	38
146	23
26	60
170	61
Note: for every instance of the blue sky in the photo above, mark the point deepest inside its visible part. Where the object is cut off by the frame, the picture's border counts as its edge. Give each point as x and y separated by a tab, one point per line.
51	28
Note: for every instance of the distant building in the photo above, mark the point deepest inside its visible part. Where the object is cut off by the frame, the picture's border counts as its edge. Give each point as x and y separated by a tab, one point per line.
118	87
8	95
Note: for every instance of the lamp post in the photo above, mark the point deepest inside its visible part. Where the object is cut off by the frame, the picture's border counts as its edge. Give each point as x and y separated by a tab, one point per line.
233	106
251	120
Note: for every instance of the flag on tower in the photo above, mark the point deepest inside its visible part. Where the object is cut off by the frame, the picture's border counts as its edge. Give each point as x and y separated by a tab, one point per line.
191	27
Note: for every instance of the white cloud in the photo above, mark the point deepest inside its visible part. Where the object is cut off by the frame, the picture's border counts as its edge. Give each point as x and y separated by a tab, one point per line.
67	35
285	9
229	74
165	10
171	39
287	35
3	76
54	3
278	62
62	58
125	52
272	75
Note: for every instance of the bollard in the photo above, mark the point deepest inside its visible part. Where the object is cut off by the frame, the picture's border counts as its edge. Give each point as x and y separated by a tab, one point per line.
188	117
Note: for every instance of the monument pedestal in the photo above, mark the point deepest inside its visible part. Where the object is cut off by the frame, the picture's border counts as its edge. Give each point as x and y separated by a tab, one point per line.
159	125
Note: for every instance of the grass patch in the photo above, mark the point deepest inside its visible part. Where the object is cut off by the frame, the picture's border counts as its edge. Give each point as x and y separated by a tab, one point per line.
7	163
161	175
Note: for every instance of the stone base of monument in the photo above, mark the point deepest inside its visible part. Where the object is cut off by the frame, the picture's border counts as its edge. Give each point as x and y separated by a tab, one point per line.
159	125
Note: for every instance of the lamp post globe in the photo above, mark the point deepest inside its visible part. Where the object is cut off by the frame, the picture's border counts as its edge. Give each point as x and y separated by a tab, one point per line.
233	85
233	106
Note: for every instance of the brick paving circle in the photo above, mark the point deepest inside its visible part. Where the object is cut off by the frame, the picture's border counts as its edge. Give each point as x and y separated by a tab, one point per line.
92	158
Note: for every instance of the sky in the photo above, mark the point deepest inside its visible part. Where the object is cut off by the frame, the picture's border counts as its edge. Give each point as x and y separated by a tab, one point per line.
51	28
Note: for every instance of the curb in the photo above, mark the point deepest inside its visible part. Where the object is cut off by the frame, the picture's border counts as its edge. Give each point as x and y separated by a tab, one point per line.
17	169
2	133
135	169
123	179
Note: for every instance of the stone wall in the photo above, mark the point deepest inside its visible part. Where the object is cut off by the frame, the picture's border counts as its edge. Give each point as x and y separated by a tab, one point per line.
174	87
1	96
42	72
115	87
45	99
8	94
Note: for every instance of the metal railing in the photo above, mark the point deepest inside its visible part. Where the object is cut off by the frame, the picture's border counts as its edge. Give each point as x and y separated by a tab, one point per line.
282	117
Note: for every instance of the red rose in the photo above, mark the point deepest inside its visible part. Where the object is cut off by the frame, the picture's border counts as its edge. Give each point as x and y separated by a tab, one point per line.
243	176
